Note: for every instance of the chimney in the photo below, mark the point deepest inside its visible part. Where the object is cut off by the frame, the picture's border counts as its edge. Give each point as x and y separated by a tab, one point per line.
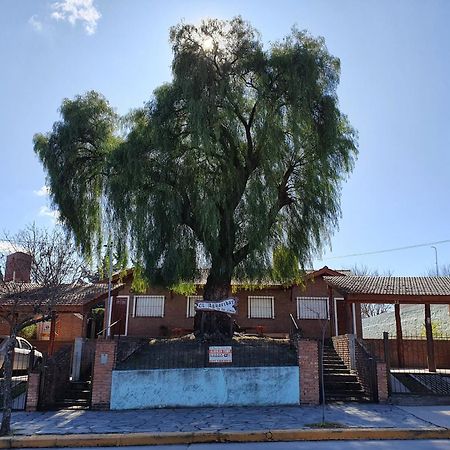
18	267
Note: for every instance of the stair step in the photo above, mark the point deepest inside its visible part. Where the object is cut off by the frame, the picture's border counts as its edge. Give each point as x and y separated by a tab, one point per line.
72	402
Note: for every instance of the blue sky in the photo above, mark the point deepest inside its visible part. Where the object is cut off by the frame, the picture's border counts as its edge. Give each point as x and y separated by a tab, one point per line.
395	88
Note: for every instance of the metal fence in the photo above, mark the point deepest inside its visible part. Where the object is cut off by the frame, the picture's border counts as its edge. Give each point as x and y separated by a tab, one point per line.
22	363
164	354
366	370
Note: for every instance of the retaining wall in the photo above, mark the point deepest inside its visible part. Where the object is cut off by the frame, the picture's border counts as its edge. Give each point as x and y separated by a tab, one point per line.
232	386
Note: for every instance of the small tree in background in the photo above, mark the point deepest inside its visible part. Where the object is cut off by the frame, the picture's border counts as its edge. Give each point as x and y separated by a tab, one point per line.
54	265
243	152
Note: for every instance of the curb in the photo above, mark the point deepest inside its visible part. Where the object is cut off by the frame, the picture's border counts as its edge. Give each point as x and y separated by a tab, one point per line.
136	439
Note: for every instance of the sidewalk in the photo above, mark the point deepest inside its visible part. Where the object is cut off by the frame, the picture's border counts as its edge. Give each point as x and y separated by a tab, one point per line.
358	421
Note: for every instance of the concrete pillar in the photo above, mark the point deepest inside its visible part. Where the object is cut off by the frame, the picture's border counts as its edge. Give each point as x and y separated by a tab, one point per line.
76	358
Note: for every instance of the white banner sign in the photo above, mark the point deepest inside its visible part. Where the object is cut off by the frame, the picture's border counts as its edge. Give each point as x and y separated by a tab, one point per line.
220	354
227	306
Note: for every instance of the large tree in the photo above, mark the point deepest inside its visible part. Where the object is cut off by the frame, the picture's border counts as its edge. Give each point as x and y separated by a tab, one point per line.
242	153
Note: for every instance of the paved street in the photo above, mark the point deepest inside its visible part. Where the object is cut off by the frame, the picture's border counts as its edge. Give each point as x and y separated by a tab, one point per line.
329	445
228	419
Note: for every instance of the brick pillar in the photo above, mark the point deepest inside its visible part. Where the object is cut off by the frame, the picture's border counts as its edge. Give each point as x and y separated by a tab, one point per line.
104	361
382	382
308	362
34	380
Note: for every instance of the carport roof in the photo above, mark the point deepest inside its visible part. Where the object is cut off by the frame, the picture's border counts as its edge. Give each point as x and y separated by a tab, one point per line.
392	289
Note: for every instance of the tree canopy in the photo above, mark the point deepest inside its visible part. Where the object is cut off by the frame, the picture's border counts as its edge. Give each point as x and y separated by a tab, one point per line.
244	152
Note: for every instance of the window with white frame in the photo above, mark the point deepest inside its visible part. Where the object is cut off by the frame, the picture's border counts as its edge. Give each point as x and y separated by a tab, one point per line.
190	309
312	308
149	306
261	307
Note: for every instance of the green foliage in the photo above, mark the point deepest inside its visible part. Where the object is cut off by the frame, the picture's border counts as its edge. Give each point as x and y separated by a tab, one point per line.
243	152
286	268
139	283
436	329
184	288
29	332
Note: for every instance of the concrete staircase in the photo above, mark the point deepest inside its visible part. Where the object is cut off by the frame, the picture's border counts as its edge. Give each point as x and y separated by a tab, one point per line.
340	384
77	396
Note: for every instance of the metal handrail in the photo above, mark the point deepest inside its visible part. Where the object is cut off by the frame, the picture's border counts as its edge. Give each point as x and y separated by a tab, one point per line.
104	329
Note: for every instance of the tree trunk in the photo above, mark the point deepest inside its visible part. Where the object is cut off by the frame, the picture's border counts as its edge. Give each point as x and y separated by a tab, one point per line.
211	325
7	386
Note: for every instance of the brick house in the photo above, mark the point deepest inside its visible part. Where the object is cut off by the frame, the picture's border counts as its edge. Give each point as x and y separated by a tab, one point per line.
71	304
267	310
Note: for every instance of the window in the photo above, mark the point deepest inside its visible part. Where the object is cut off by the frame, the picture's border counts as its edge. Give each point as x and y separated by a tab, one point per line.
260	307
190	310
25	345
312	308
149	306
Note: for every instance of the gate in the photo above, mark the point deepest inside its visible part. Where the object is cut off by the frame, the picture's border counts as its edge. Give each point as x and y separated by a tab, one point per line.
409	372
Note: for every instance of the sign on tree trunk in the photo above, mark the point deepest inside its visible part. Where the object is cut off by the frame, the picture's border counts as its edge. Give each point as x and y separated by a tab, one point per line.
227	306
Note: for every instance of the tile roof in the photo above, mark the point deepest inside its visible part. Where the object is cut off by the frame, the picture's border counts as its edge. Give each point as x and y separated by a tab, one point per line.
352	284
29	294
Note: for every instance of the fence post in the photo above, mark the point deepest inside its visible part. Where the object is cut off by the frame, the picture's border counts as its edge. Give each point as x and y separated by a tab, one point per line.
76	359
104	362
32	398
308	361
387	360
382	375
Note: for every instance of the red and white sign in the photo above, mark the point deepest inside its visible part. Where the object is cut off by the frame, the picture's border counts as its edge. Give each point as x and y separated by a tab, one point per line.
220	354
227	306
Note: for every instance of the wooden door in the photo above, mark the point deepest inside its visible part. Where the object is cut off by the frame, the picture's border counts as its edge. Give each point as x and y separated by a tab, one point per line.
341	317
119	315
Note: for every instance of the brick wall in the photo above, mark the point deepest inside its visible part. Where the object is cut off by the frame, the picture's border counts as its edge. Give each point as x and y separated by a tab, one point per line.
382	382
308	361
104	362
33	391
342	346
175	309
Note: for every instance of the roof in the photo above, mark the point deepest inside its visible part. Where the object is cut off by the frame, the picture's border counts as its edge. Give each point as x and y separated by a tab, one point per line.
28	294
400	286
203	275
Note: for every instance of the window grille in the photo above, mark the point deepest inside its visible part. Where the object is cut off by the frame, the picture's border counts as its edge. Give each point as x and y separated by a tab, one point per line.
149	306
261	307
190	310
312	308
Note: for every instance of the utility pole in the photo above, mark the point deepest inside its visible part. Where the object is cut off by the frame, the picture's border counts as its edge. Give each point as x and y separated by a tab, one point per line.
436	260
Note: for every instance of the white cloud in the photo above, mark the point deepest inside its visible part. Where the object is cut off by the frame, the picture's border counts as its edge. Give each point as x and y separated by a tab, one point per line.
7	247
73	11
47	212
42	192
35	23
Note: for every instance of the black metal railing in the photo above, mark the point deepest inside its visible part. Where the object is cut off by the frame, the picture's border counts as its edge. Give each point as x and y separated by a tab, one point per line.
366	370
167	354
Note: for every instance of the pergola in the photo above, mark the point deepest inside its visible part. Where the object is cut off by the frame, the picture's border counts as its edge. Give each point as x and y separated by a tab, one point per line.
397	291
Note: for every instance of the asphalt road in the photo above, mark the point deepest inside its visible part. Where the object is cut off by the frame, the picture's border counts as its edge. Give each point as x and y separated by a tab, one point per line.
327	445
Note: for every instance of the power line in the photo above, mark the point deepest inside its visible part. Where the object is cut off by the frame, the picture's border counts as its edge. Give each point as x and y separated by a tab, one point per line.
390	249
